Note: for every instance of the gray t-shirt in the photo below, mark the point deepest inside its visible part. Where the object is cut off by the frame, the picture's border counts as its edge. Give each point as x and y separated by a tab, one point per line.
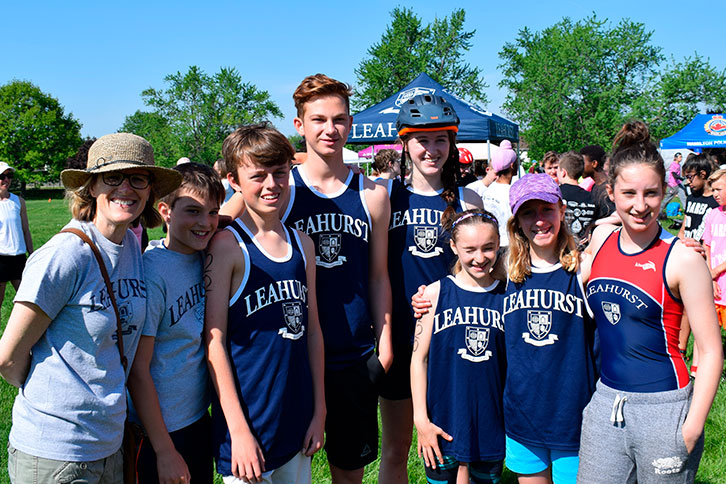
175	318
72	406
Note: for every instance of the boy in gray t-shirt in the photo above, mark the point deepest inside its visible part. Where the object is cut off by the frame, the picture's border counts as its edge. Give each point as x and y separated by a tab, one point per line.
169	384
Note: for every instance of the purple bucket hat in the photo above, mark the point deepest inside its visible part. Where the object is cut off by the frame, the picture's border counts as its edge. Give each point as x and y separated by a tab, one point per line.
535	186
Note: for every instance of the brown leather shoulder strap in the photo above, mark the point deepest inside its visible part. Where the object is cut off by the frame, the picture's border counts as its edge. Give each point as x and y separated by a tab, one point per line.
109	288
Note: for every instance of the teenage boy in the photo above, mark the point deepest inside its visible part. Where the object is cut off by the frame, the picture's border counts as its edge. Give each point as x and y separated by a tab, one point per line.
581	209
264	344
169	381
347	216
550	163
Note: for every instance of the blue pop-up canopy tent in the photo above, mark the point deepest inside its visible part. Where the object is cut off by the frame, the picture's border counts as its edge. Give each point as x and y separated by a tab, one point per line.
704	131
377	124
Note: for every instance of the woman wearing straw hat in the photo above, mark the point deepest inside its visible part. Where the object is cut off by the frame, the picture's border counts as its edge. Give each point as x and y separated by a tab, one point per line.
59	346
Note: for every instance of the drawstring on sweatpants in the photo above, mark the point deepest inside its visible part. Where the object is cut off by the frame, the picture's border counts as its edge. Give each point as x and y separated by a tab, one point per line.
616	416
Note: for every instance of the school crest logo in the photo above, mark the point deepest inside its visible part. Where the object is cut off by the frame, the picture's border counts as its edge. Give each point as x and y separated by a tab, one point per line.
539	324
612	312
126	314
477	340
425	238
199	312
329	248
292	313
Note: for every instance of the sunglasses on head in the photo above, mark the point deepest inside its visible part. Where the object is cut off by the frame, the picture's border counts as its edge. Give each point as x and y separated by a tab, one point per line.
4	176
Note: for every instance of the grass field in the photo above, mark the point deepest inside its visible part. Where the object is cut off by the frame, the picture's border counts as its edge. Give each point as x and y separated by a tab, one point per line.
47	217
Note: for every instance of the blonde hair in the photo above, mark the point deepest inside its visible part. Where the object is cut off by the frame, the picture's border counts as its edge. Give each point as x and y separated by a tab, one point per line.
716	175
83	205
519	259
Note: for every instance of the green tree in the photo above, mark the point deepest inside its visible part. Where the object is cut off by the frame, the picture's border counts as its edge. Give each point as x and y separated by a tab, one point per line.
408	48
156	130
36	135
575	83
196	111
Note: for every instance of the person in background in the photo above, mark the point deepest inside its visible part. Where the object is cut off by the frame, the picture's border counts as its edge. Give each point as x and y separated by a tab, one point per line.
60	344
672	189
581	210
550	162
228	190
595	160
496	197
386	165
466	167
15	239
699	202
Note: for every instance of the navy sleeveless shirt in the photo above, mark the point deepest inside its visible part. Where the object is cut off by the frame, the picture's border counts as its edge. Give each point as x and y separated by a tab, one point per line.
551	371
340	226
418	252
466	370
268	351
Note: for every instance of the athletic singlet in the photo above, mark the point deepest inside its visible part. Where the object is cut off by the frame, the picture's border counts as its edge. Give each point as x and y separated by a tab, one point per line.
466	368
638	318
268	351
340	226
551	371
418	252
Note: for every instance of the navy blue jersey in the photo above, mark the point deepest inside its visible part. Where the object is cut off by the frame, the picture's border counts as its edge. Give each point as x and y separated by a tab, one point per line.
550	360
418	252
340	226
268	350
466	369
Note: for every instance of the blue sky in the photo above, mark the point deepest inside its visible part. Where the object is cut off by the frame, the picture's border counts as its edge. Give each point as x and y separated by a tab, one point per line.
97	57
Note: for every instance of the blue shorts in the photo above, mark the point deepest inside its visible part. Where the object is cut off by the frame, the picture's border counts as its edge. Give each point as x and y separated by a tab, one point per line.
529	459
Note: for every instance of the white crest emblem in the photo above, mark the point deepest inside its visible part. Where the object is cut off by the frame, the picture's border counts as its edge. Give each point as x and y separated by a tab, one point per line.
425	238
539	324
612	311
477	340
329	248
292	313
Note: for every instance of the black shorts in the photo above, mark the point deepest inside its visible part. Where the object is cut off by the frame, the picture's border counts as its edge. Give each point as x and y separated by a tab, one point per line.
11	267
396	384
351	426
193	442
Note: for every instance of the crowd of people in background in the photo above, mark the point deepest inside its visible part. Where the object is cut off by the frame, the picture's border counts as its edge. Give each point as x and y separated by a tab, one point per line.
535	321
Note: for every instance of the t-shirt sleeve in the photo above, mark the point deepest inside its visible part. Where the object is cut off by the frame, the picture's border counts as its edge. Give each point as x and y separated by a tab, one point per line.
155	298
707	222
51	275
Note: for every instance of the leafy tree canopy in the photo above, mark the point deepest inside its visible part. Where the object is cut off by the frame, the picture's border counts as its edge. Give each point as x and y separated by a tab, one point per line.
36	136
193	115
575	83
408	48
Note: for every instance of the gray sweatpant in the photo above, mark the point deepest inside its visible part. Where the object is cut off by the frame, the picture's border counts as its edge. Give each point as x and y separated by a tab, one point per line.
636	437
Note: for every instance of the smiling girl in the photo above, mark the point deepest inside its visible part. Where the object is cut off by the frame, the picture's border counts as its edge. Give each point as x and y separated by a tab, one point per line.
459	342
645	422
418	252
549	337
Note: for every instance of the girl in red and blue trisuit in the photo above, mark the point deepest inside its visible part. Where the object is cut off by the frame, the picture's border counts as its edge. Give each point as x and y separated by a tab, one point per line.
458	362
550	335
645	421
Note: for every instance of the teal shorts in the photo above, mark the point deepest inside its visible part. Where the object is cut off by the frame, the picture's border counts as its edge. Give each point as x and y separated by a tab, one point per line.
529	459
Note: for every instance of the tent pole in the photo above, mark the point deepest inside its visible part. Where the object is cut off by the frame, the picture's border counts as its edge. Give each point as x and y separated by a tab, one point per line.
489	152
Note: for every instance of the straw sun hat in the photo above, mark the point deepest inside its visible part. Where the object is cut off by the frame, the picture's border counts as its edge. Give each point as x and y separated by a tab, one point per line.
122	151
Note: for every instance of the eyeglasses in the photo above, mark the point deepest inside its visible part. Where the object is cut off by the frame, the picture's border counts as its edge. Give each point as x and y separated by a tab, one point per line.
691	176
136	180
4	176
